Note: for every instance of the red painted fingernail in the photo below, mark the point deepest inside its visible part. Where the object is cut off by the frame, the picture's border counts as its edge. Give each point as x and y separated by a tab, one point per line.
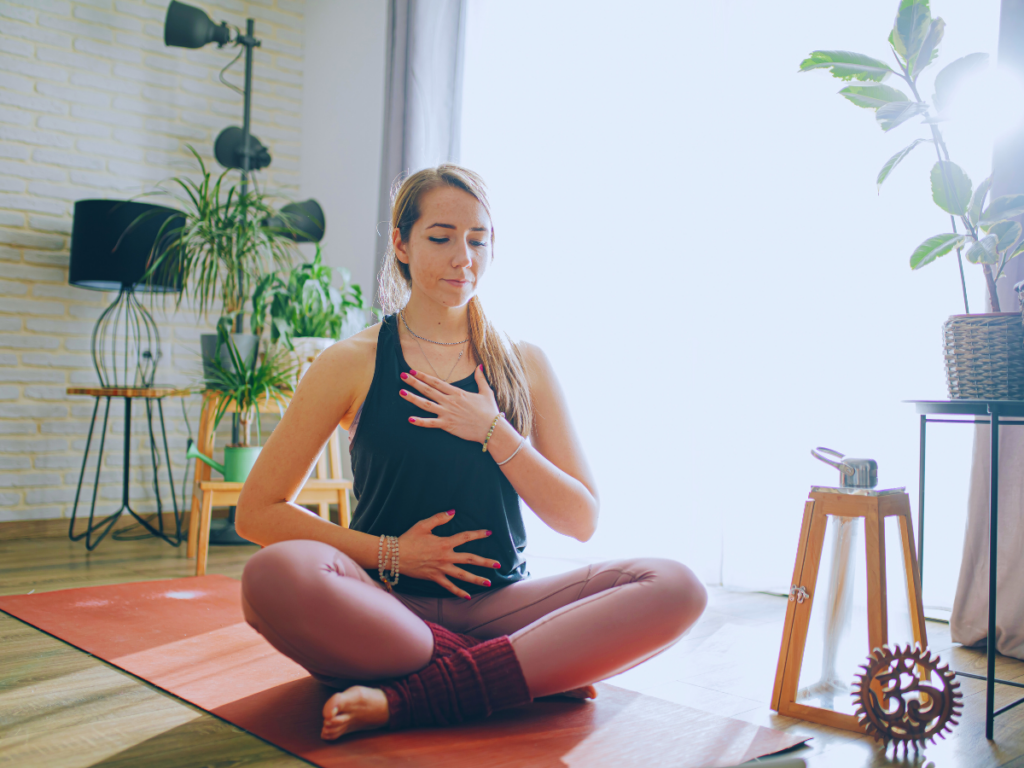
486	582
402	392
412	419
412	372
497	565
488	533
405	376
467	597
480	368
450	512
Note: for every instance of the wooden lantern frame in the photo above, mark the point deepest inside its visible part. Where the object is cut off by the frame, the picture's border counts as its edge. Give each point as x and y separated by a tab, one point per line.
874	507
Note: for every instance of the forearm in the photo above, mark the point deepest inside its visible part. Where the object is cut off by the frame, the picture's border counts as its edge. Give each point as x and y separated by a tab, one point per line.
559	499
265	525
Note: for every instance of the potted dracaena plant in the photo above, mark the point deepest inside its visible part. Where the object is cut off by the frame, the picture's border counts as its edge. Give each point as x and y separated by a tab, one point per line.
225	246
242	387
982	230
306	312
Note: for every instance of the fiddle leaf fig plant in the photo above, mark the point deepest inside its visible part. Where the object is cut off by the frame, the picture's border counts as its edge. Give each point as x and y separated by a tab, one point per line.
989	235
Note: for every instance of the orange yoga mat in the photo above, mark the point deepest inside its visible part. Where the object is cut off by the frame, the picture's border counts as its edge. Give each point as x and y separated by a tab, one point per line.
188	637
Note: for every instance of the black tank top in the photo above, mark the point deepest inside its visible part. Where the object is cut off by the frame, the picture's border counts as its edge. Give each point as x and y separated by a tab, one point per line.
403	473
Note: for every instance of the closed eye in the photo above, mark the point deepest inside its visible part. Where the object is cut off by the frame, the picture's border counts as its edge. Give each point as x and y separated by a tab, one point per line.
475	243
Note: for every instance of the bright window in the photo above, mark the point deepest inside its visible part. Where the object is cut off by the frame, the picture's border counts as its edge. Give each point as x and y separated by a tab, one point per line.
690	229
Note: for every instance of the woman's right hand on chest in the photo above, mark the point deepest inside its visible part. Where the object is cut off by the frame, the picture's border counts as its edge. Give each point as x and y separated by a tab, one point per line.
423	555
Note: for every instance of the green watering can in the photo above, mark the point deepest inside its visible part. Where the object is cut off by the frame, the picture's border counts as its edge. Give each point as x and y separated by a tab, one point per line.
237	461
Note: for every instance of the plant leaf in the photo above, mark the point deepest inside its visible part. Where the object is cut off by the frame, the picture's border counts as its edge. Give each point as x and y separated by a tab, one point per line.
846	65
872	96
978	200
895	160
1006	234
934	247
929	47
896	112
949	77
983	251
1001	209
913	20
951	187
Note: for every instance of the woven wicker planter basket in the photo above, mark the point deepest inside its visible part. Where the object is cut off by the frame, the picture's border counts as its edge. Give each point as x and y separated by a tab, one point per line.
985	356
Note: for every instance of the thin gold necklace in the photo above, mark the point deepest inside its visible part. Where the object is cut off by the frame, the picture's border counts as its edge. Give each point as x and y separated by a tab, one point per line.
424	353
401	314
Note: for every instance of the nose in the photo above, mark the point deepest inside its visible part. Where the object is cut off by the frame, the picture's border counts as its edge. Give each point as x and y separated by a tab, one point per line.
463	257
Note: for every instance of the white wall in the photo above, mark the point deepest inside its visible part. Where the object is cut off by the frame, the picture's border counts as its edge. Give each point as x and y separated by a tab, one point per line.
94	105
342	126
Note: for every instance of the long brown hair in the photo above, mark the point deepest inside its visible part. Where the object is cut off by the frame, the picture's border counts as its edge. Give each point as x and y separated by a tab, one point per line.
502	359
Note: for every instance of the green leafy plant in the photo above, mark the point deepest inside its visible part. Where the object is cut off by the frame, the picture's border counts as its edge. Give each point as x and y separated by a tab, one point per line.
225	246
990	237
306	305
268	378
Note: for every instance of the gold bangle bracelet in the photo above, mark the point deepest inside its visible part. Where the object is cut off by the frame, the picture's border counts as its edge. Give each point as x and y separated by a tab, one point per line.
491	430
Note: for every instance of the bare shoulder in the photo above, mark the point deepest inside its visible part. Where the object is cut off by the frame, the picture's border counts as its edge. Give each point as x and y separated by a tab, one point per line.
357	350
538	367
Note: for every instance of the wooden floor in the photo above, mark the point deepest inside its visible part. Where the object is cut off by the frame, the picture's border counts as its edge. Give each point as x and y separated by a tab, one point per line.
60	707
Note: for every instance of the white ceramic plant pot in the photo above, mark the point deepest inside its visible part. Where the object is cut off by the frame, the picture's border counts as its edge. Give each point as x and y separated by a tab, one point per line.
307	349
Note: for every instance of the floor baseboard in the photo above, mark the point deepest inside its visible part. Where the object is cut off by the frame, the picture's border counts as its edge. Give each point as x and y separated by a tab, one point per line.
57	527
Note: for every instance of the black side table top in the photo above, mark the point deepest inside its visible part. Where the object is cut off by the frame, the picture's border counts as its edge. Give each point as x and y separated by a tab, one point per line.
970	407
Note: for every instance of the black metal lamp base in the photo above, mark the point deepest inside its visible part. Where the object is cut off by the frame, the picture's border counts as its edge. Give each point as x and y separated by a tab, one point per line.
222	533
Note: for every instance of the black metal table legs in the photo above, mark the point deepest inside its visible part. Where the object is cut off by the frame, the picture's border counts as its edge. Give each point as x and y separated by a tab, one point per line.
95	531
990	644
920	501
993	533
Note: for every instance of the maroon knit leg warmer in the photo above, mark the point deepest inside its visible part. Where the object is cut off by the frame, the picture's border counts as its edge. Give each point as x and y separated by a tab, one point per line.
447	642
468	683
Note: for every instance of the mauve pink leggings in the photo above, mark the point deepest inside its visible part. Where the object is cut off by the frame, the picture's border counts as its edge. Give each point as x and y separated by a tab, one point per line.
315	605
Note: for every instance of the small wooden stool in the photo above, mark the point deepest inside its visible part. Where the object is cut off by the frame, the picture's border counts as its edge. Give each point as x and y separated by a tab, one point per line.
323	490
874	506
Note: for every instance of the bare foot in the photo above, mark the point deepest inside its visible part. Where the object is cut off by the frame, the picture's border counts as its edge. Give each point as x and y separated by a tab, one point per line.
358	708
584	692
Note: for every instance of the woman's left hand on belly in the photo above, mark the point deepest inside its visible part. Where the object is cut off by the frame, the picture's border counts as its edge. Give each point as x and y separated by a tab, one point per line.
468	415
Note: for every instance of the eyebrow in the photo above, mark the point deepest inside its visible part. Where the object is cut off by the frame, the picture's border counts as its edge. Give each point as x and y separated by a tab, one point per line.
452	226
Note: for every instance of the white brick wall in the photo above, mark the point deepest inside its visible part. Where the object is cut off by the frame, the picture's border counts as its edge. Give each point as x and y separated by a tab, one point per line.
94	105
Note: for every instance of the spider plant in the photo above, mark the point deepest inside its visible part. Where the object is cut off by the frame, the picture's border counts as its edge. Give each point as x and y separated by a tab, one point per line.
268	379
223	248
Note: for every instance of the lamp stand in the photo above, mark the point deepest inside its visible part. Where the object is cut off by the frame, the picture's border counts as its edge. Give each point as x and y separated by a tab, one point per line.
125	343
226	533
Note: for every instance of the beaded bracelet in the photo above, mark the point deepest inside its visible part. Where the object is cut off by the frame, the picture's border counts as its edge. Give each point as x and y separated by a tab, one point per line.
384	557
491	430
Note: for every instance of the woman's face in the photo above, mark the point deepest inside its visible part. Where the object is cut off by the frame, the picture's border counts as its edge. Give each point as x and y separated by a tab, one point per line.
449	248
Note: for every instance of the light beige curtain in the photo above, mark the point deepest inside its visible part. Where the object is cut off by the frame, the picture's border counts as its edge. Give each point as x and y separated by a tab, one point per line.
969	622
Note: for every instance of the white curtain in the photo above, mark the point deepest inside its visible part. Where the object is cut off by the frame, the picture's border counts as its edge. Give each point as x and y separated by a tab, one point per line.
691	230
423	99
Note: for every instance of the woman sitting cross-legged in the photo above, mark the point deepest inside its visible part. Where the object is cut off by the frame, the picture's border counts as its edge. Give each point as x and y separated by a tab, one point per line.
422	612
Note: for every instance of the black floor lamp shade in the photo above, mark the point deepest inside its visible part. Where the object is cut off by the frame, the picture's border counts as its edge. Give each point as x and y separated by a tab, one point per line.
111	244
189	27
106	255
302	222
